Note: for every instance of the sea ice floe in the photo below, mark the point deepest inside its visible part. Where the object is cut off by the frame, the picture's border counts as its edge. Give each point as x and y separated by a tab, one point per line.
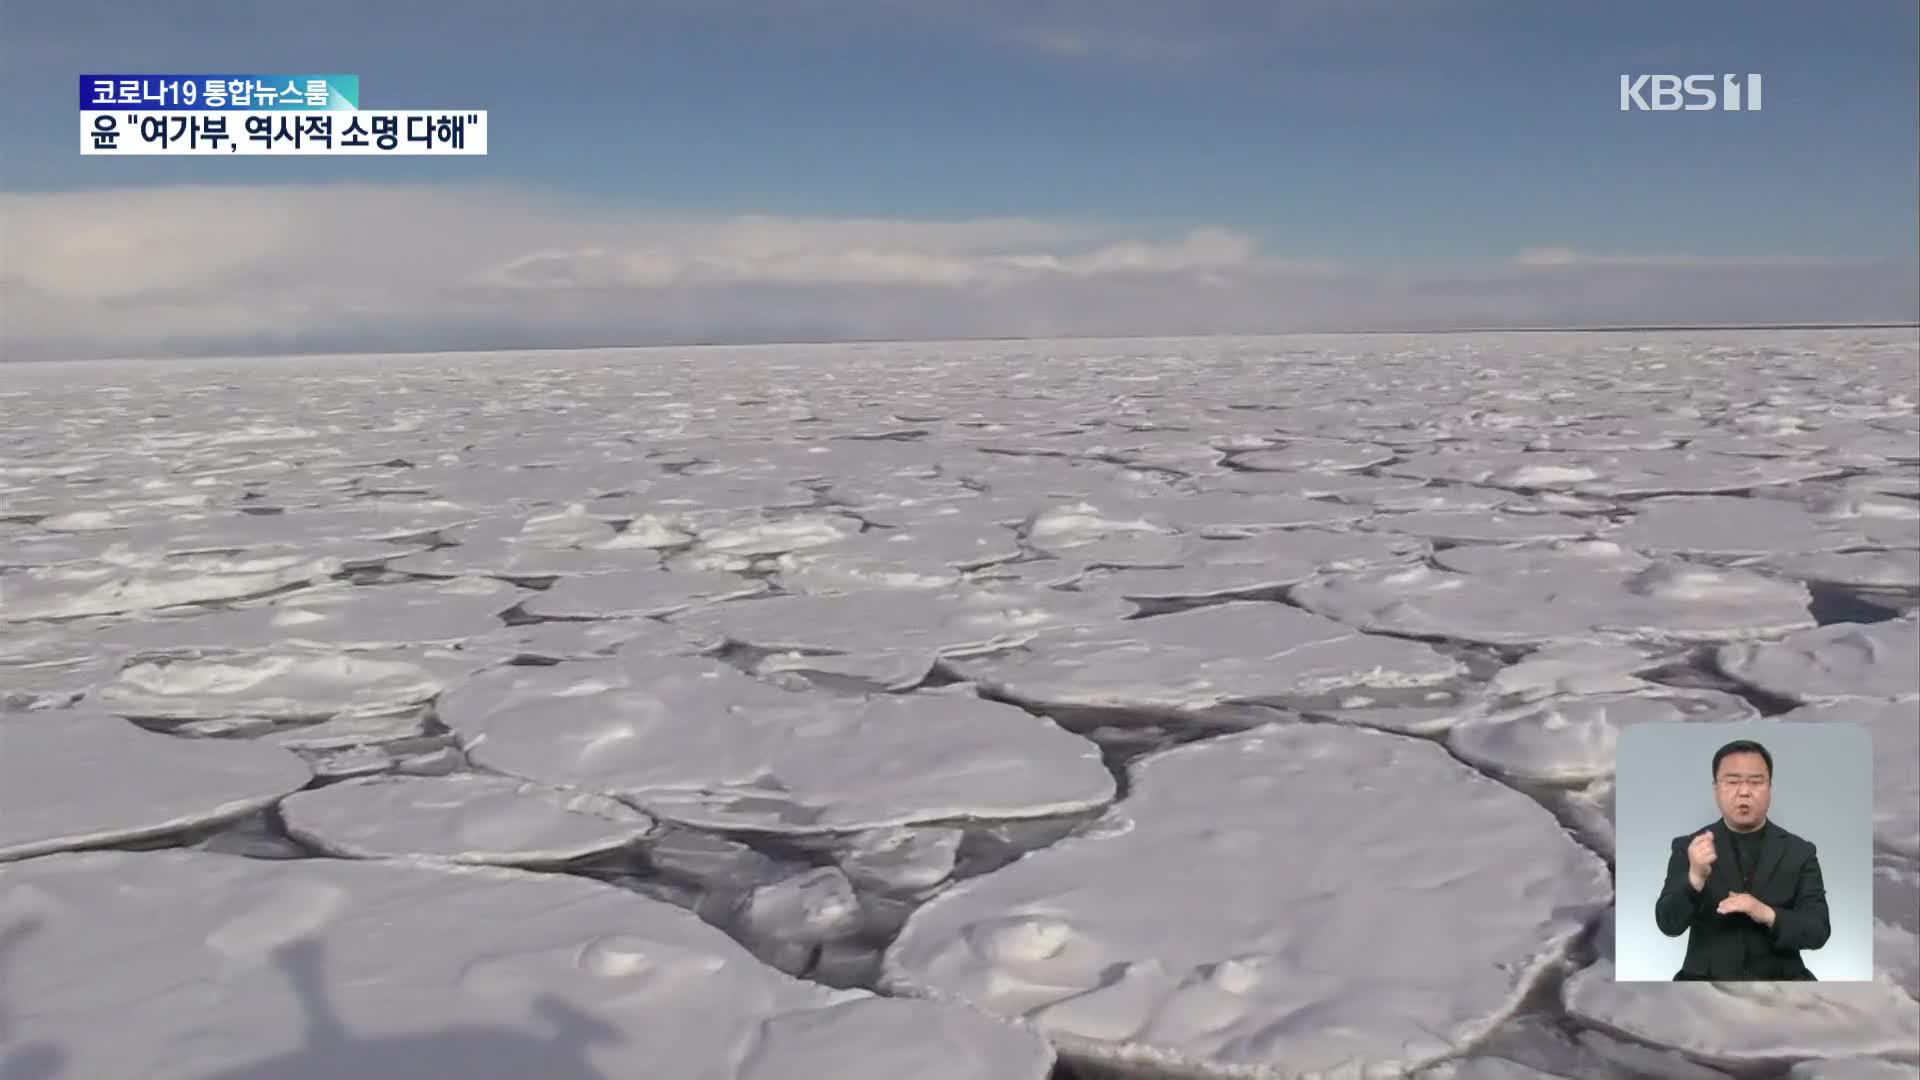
1293	849
1544	557
1190	661
901	860
1724	525
1744	1024
1894	727
292	684
74	778
1112	533
1304	455
348	617
525	562
1842	660
27	687
696	741
1264	562
1894	570
784	921
1903	481
1481	527
1230	514
1537	1047
1183	458
1573	739
924	557
145	584
362	523
1589	812
1625	473
1583	668
344	732
225	968
1854	1068
1342	486
466	818
967	620
637	593
764	534
1666	601
1414	497
552	642
404	753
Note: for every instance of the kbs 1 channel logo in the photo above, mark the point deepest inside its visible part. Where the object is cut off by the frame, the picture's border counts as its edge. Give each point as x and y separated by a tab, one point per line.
1689	93
262	114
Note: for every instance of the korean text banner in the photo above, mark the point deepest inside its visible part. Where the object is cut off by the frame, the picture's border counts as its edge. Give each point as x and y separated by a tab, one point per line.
246	93
377	132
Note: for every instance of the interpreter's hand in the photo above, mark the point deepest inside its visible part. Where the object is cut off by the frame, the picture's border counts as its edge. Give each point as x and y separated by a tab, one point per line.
1748	905
1700	856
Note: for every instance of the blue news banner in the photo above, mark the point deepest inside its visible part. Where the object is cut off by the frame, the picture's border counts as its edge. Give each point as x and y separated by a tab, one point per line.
262	114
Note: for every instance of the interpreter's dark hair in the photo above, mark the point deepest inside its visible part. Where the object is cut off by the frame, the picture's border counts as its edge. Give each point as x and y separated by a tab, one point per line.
1742	746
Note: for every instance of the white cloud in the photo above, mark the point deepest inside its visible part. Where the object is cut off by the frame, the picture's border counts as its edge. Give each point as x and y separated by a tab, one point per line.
320	268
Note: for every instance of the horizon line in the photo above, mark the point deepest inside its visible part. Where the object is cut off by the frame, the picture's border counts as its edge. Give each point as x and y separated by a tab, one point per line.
1624	328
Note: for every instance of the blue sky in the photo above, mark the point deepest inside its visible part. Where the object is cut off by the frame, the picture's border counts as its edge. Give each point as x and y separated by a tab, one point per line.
1384	137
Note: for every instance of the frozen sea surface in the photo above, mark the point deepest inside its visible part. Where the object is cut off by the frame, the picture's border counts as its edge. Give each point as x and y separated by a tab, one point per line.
1214	707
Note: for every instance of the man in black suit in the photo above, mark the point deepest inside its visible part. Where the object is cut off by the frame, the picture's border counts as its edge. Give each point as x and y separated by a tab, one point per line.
1752	911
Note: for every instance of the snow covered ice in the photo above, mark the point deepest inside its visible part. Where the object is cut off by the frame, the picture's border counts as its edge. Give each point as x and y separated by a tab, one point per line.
1108	700
72	778
227	967
1259	973
471	818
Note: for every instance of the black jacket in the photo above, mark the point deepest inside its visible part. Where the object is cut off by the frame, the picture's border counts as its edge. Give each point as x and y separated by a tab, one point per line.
1734	946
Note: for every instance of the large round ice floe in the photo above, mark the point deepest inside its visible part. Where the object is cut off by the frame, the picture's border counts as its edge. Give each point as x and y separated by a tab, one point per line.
147	583
1470	527
1224	514
637	592
1287	853
297	530
759	533
1356	488
72	779
334	616
1722	525
1116	532
1843	660
696	741
465	817
1215	569
1542	1046
1735	1024
1312	455
1894	727
551	642
967	620
216	967
1189	661
1877	519
1573	739
1659	602
28	687
1631	472
1578	669
1858	569
929	557
290	683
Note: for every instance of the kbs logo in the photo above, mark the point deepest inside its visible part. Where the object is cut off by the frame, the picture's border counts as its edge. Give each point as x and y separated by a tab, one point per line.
1671	93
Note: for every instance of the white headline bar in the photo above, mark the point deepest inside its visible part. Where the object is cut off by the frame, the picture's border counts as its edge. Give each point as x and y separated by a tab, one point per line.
389	132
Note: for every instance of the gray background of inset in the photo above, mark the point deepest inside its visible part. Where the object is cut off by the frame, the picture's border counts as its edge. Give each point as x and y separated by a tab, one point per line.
1822	791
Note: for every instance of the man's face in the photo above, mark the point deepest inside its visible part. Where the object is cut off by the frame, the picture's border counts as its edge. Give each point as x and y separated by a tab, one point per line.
1743	789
